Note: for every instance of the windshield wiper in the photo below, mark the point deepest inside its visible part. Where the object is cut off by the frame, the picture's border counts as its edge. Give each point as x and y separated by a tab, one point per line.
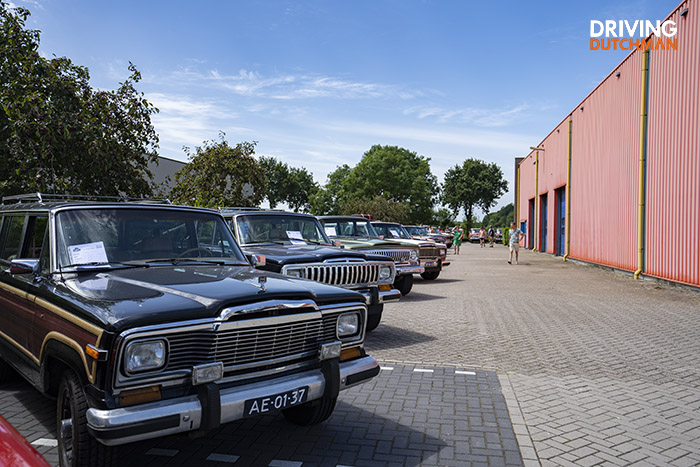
176	261
99	264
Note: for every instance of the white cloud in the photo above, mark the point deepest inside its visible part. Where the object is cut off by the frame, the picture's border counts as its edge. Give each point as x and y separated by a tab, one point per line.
282	87
475	116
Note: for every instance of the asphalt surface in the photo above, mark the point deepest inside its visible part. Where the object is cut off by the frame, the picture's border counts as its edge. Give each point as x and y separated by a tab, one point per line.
541	363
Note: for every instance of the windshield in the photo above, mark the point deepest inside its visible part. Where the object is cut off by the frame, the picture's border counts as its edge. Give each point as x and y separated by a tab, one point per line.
391	231
417	230
279	228
103	236
349	228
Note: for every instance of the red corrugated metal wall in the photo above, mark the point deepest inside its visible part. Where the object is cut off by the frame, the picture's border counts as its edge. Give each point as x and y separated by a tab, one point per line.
605	164
673	158
527	190
552	174
605	170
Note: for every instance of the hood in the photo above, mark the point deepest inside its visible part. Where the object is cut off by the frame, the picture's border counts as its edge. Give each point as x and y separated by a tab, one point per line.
131	297
292	254
368	243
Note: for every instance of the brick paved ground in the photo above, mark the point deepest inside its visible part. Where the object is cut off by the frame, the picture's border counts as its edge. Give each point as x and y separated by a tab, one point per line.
593	367
596	368
407	416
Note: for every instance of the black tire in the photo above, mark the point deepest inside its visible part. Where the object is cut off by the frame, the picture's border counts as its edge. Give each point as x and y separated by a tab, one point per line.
310	413
76	448
7	373
404	284
430	275
374	316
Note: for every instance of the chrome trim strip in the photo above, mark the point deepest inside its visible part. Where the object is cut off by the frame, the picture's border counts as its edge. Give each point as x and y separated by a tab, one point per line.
267	305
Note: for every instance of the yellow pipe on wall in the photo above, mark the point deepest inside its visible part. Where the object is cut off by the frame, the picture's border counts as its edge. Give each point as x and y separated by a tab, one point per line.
535	227
517	196
642	163
568	194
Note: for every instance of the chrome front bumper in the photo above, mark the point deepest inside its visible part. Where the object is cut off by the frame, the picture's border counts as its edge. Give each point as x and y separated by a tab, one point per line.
405	270
382	297
155	419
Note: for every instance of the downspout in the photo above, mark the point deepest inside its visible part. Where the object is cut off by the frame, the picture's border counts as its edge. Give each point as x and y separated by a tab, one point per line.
535	225
517	196
568	193
642	163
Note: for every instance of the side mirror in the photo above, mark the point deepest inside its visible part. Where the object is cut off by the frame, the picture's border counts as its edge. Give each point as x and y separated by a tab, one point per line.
24	266
257	260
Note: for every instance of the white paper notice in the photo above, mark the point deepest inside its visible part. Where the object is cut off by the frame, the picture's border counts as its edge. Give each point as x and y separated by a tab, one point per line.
395	233
295	237
87	253
330	231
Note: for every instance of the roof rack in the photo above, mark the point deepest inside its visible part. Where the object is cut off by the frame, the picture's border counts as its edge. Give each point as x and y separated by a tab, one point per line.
45	197
247	208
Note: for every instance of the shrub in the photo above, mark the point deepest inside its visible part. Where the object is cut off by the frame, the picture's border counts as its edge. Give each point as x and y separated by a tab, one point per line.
506	236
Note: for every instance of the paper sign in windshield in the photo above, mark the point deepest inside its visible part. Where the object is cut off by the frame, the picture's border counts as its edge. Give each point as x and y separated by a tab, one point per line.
87	253
395	233
330	231
295	237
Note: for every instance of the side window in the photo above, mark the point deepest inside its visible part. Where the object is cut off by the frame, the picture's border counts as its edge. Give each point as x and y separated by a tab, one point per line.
35	238
11	237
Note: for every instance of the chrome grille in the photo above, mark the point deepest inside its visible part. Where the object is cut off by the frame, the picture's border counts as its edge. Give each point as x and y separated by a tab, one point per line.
236	347
430	252
397	255
342	274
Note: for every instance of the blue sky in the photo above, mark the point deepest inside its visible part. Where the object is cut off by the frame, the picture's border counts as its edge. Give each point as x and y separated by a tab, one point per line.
317	83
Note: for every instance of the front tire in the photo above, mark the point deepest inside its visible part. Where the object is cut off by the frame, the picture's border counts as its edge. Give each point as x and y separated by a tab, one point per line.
76	447
430	275
7	373
310	413
374	316
404	284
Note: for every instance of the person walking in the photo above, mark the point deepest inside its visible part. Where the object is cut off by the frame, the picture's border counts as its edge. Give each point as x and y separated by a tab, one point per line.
515	236
457	240
492	235
482	237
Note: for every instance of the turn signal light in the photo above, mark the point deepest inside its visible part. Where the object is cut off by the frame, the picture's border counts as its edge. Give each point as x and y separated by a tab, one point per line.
139	396
349	354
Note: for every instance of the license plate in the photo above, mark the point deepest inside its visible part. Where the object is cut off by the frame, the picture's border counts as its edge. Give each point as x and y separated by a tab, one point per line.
263	405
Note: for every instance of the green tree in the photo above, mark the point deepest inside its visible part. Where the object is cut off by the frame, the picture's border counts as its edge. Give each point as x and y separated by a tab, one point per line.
475	183
443	217
287	184
329	199
57	133
379	208
220	175
500	218
395	174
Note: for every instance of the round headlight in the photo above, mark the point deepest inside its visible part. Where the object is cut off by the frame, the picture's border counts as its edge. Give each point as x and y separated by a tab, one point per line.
414	255
348	324
442	251
144	355
298	273
385	273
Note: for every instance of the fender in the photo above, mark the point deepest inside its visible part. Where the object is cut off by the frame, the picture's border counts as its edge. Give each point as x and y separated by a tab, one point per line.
50	375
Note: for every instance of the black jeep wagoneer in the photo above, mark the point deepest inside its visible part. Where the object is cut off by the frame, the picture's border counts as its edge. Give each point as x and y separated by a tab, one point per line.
145	319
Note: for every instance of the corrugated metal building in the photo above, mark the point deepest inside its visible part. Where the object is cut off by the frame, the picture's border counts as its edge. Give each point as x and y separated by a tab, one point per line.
617	182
